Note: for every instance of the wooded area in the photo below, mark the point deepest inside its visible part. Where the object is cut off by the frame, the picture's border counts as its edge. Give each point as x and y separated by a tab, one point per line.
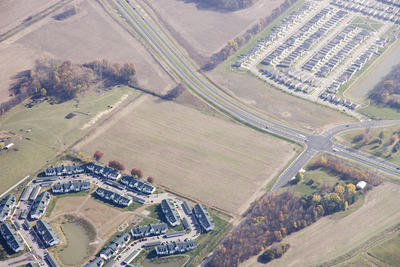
278	215
387	91
62	81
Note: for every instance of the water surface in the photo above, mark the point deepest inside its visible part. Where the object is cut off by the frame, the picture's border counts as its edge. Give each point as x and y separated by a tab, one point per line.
78	244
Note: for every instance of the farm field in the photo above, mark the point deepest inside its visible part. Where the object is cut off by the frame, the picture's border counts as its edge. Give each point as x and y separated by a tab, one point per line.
334	236
200	31
40	132
379	147
221	163
281	106
88	35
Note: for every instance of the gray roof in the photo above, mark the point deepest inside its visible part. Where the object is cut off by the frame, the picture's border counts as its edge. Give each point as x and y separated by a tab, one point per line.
170	212
14	241
40	205
97	262
203	217
71	186
6	206
47	233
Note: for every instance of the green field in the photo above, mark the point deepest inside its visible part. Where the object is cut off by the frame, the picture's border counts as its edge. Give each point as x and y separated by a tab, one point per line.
380	112
376	146
366	23
42	131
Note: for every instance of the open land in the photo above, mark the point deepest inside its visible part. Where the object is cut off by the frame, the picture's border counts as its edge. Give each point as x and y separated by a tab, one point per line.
218	162
199	30
333	236
42	131
279	105
88	35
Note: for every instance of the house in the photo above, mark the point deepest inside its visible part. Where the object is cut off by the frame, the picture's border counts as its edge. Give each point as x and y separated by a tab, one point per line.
32	264
34	193
113	197
137	184
25	193
102	171
187	208
360	185
149	230
175	247
6	206
64	170
114	247
71	186
39	206
10	235
97	262
49	237
171	215
204	218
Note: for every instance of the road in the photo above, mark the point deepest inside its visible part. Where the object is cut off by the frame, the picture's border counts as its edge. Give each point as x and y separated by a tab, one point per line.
313	143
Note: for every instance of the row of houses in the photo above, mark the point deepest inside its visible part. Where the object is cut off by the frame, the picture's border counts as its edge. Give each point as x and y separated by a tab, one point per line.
103	171
11	236
149	230
71	186
6	206
137	184
289	82
39	206
64	170
312	39
115	246
175	247
294	17
97	262
113	196
170	212
386	11
46	232
203	217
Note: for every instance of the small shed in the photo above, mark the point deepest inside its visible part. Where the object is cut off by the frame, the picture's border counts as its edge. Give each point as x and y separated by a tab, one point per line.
361	185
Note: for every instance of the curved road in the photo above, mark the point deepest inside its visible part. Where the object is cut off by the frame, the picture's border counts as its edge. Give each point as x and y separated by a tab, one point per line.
314	143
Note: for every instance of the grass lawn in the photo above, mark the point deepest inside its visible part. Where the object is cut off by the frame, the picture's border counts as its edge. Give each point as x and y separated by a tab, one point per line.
378	147
42	131
380	112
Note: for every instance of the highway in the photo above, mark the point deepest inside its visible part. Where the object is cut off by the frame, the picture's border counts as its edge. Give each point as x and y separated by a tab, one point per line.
313	143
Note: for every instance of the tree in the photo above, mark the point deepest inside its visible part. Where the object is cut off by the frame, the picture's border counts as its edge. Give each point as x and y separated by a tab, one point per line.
116	165
351	189
381	135
98	155
43	92
138	173
150	180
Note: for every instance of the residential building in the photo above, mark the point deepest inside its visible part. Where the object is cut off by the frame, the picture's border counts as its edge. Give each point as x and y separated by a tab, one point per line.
170	212
34	193
175	247
46	232
137	184
14	241
25	193
204	218
113	196
115	246
6	206
149	230
97	262
71	186
39	206
102	171
64	170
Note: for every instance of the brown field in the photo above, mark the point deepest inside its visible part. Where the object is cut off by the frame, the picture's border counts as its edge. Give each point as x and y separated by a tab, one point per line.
203	32
90	34
333	236
281	106
67	204
221	163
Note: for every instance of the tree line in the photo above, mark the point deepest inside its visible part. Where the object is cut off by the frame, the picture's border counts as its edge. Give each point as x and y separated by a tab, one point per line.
276	216
387	91
225	5
62	81
234	45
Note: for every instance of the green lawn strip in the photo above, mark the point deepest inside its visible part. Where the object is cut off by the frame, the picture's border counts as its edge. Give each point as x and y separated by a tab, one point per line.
377	111
42	131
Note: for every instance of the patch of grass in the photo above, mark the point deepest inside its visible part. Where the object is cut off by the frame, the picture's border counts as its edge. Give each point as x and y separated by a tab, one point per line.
388	251
366	23
355	206
42	131
155	211
377	111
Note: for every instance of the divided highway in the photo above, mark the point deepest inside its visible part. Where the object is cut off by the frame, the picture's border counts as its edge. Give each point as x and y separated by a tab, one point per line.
313	143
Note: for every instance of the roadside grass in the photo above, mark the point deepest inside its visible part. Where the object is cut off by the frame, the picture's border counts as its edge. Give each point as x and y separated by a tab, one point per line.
377	147
42	131
377	111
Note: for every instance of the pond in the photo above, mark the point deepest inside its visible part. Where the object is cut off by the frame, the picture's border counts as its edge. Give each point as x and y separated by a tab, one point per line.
78	244
148	263
378	74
